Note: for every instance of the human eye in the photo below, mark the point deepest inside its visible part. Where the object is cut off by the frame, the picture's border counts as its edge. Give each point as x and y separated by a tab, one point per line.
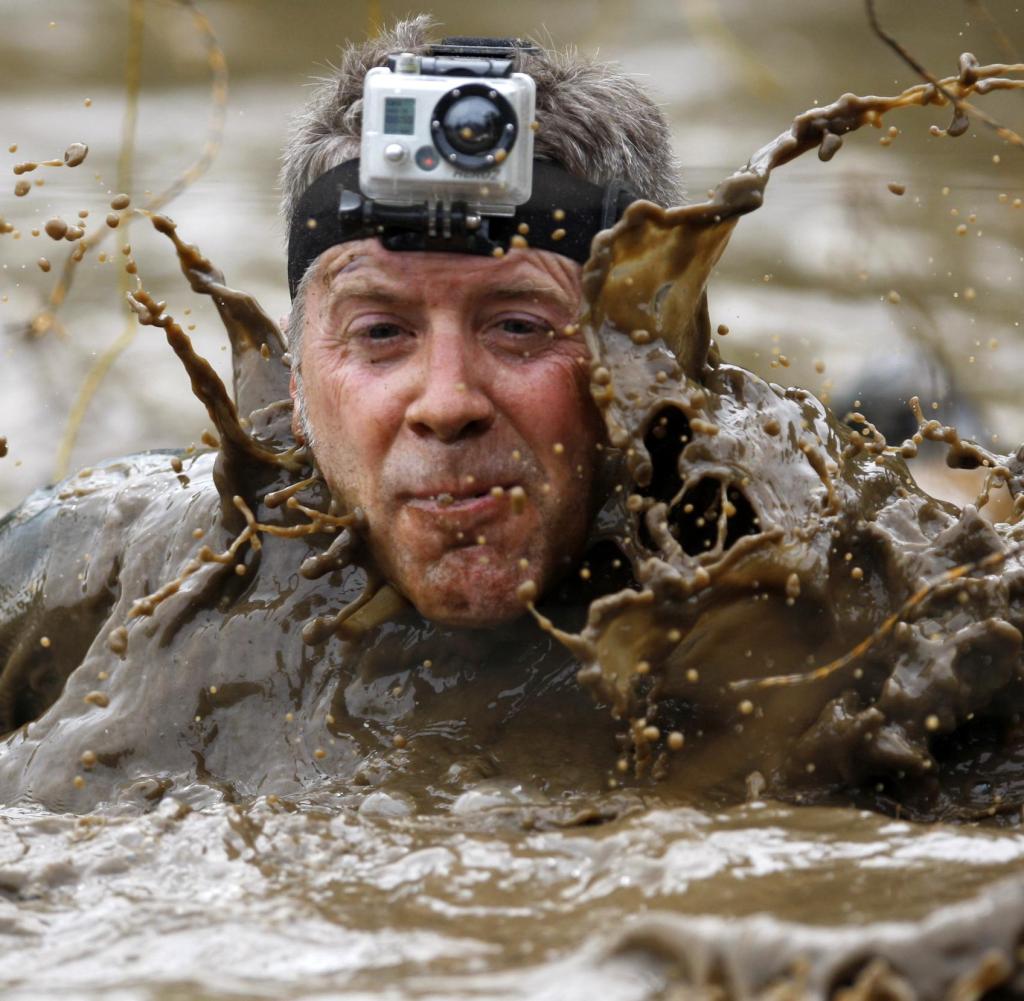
380	332
370	329
521	334
522	326
379	338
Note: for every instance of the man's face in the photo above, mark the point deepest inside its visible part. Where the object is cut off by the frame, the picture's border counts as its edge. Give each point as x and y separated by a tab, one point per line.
435	386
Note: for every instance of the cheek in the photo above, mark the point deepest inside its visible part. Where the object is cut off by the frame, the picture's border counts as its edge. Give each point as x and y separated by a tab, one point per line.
354	418
555	408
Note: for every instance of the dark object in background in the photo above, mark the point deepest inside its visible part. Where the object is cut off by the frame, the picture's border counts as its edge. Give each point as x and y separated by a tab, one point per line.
883	394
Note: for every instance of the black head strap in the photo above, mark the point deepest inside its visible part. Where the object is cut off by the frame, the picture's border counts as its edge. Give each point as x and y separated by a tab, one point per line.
563	215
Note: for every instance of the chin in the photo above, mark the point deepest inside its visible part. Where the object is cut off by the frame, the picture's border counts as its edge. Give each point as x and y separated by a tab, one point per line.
452	596
472	618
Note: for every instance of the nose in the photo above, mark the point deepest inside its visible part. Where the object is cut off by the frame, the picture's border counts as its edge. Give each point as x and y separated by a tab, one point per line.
452	402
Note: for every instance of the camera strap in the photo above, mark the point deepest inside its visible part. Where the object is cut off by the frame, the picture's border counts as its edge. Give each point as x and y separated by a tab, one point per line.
563	215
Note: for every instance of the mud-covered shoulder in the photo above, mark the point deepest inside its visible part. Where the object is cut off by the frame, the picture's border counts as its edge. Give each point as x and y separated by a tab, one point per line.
60	568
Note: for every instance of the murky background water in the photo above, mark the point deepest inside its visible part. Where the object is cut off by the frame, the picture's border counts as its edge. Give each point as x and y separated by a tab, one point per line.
808	277
344	896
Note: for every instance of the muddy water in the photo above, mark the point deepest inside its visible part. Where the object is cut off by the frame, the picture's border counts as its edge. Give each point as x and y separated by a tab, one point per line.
416	799
333	897
386	809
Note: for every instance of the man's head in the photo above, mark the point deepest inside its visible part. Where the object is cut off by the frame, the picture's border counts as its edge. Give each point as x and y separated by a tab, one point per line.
447	394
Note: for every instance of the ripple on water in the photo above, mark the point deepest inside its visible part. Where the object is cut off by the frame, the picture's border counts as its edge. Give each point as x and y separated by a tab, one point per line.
290	899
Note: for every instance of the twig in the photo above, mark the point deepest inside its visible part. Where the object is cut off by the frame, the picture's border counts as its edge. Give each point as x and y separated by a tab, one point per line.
1002	38
962	107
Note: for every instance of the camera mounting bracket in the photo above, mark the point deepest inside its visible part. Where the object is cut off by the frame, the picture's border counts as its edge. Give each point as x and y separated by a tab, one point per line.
437	225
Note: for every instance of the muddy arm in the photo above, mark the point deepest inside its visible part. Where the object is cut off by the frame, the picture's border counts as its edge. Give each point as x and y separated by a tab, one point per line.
25	678
60	573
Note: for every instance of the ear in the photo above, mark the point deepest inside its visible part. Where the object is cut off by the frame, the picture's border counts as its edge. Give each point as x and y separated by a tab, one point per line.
296	424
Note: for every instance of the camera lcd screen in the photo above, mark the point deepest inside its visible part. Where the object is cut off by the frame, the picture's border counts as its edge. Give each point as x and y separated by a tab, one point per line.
399	116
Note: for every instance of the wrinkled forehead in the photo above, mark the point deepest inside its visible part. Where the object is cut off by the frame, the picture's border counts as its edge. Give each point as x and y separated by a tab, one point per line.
354	265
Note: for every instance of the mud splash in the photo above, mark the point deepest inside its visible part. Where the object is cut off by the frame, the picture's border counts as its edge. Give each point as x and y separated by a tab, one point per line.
766	538
198	628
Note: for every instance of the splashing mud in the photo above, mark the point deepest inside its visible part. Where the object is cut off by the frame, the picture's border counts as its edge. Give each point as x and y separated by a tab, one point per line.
771	608
764	535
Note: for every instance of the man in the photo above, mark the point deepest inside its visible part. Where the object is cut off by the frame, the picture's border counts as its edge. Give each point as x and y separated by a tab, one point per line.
445	397
446	394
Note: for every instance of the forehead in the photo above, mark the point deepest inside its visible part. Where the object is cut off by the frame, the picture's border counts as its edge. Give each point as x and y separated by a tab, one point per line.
360	260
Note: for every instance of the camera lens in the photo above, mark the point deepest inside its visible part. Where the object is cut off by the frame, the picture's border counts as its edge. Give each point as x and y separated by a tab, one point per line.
474	127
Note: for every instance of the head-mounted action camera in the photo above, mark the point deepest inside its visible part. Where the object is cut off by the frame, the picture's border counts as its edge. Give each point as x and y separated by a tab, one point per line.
453	125
447	165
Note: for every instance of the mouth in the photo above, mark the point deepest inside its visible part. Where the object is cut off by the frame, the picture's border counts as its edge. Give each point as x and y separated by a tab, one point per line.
458	497
474	501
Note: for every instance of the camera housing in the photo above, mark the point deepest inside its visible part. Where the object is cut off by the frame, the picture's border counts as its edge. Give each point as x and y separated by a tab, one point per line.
446	128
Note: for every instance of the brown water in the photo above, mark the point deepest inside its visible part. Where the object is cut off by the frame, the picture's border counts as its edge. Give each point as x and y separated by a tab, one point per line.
377	807
327	898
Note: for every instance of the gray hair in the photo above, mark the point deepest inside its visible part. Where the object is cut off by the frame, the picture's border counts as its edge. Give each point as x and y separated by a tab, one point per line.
296	324
595	122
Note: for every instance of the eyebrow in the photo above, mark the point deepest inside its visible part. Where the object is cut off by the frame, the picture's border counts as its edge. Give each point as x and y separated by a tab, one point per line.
542	291
343	286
